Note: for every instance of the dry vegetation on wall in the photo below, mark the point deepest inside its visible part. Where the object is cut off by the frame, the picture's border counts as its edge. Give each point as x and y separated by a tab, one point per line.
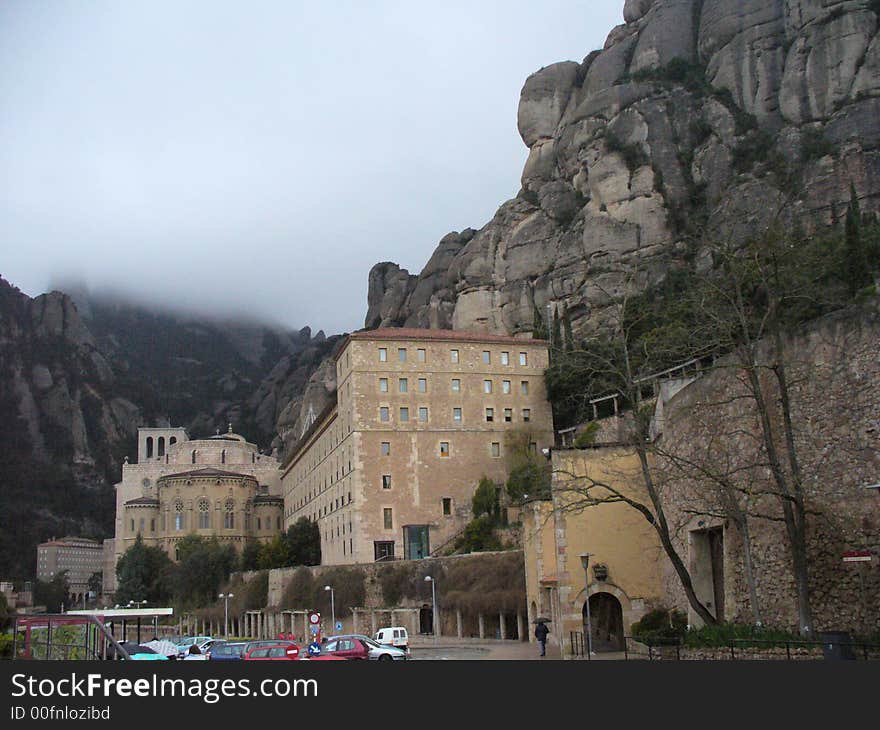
473	584
306	591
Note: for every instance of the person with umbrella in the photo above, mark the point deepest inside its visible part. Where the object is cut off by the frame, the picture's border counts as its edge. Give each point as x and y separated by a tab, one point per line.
541	632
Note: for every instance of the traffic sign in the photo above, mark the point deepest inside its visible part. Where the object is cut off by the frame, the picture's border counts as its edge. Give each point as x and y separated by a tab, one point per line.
314	630
857	556
339	625
314	649
314	618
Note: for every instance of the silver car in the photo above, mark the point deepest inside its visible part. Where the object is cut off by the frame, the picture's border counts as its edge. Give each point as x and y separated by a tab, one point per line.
346	645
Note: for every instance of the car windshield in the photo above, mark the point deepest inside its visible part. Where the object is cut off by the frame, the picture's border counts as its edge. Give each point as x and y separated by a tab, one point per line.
372	644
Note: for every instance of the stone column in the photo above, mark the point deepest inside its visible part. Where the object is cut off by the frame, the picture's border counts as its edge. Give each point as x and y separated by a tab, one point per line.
502	625
392	618
373	623
354	621
482	625
458	626
414	620
520	628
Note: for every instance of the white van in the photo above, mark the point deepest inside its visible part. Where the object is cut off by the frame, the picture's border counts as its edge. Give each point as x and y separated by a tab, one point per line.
393	636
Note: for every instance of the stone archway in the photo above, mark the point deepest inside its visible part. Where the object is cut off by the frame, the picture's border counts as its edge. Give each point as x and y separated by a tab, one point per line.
606	620
426	620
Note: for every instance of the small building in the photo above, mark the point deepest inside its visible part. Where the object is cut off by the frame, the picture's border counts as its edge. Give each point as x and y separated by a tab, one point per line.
625	556
80	557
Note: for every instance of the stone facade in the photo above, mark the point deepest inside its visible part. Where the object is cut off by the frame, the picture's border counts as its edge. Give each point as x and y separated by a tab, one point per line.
388	471
221	486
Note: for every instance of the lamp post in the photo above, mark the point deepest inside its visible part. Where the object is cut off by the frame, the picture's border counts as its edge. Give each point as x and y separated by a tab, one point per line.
585	561
226	597
136	604
332	607
430	580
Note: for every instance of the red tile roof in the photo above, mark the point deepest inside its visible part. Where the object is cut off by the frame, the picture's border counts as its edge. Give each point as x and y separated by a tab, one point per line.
412	333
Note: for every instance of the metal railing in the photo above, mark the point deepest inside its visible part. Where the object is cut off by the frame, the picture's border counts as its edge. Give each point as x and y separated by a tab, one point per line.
49	637
660	648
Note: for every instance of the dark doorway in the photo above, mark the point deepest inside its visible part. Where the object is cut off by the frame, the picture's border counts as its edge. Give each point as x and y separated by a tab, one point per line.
606	619
426	620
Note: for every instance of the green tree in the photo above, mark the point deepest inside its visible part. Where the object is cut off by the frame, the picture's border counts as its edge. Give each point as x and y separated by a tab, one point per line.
96	582
856	265
274	554
539	328
479	535
4	611
250	555
142	574
52	594
205	565
485	500
566	328
556	342
304	539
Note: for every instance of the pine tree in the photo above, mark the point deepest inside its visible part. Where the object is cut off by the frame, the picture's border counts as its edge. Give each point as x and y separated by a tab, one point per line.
539	330
855	263
566	327
556	343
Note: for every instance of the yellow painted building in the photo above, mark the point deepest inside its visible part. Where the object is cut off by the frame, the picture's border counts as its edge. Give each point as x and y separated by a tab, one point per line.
625	556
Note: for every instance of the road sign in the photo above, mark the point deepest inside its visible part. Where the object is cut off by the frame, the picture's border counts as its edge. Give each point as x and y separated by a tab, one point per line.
314	648
339	625
857	556
315	618
314	630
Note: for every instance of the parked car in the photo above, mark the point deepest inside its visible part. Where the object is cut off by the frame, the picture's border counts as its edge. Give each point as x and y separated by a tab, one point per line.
227	651
274	652
266	642
358	646
393	636
187	641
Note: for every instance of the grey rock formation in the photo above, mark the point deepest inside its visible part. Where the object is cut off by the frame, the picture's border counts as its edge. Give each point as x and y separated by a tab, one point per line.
658	130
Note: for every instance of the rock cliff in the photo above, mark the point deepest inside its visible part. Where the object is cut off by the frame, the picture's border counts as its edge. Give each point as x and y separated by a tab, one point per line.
698	117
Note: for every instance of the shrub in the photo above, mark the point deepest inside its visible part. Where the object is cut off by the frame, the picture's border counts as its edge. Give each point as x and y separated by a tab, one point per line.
660	623
587	437
300	590
632	154
814	145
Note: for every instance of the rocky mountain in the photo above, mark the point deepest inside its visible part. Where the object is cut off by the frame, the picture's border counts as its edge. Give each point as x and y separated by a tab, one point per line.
79	378
698	117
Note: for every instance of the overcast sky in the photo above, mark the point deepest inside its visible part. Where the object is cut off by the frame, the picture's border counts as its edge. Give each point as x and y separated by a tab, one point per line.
259	157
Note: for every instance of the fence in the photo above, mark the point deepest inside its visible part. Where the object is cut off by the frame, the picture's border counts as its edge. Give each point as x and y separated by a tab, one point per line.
788	650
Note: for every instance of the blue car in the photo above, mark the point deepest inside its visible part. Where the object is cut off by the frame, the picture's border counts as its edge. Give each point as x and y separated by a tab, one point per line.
227	651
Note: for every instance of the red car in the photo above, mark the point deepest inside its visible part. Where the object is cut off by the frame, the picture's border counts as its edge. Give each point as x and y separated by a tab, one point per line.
273	653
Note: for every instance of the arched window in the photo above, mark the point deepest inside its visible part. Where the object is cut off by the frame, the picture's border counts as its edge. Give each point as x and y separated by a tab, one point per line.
229	515
193	456
223	456
149	447
204	514
160	450
178	515
172	441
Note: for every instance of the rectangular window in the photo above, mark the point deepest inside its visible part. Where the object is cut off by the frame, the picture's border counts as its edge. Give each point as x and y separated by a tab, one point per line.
178	521
524	387
383	550
401	354
423	385
487	386
386	448
447	506
383	354
456	385
153	525
527	414
404	414
490	415
456	414
444	448
386	481
386	517
505	387
523	360
505	358
453	356
384	414
141	524
383	385
533	448
403	385
423	414
422	354
496	449
487	357
508	415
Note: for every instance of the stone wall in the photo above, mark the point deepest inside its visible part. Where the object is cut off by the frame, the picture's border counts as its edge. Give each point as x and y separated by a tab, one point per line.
834	371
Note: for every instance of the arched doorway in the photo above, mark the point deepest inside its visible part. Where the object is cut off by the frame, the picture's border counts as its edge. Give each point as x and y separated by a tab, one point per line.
606	620
426	620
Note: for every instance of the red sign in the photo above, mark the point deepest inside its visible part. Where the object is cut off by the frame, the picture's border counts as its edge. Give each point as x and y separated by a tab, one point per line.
315	618
857	556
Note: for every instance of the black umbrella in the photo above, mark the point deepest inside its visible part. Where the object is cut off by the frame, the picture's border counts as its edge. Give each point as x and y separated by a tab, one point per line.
542	620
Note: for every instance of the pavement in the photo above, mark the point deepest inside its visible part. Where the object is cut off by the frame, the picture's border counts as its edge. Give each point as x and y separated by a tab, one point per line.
453	648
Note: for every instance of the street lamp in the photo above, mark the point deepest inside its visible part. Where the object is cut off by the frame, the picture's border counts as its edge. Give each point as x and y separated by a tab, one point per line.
136	604
226	597
332	606
429	579
585	561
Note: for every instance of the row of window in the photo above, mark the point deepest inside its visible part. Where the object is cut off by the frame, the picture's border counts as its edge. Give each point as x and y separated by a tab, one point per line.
445	450
454	356
488	414
455	386
204	522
